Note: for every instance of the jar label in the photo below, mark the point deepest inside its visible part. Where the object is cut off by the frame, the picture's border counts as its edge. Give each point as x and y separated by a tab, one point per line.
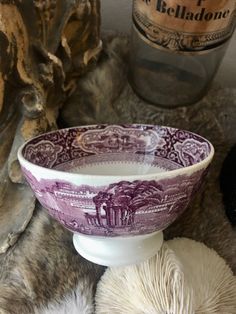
185	25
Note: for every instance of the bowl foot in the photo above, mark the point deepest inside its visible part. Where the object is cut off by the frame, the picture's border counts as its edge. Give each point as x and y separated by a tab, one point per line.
118	251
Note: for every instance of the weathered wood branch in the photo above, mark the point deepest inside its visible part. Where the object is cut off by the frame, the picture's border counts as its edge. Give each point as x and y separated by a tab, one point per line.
45	46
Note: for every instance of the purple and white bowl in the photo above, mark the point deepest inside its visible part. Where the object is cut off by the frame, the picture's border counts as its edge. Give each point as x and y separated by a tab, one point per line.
116	187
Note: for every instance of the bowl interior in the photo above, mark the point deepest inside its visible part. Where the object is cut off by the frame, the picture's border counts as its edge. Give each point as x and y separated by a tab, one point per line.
117	149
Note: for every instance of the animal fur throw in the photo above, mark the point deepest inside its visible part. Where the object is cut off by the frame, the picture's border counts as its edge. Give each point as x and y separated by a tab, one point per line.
43	271
185	277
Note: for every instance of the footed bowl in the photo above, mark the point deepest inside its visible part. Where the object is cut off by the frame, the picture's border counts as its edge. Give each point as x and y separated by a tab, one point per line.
116	187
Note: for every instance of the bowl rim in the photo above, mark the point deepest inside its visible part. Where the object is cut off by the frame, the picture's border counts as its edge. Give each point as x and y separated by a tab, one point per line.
180	171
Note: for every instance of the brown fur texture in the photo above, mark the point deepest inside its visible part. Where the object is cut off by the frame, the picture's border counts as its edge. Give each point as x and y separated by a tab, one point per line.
96	93
43	267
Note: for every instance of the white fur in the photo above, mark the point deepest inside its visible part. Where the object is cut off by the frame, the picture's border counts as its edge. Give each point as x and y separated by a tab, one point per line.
76	303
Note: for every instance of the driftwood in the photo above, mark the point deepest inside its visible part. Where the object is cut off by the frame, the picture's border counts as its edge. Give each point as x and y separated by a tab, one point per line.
45	46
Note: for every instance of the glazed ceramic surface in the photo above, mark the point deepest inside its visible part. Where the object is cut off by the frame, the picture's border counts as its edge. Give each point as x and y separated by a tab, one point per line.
116	180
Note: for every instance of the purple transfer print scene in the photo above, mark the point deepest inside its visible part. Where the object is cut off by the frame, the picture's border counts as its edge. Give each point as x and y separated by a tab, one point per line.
139	206
125	207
